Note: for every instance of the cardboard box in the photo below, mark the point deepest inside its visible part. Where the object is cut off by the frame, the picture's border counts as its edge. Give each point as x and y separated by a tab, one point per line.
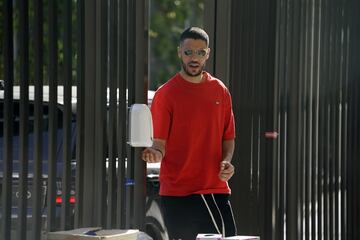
212	236
94	234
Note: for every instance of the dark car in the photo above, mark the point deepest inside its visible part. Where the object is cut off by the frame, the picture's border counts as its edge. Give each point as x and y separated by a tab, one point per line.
153	223
16	145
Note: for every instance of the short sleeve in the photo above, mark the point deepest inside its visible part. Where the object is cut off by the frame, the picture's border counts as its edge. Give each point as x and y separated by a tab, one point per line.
161	116
229	121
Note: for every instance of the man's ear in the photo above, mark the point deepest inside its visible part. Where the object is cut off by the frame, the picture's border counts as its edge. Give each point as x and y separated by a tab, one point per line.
179	52
208	54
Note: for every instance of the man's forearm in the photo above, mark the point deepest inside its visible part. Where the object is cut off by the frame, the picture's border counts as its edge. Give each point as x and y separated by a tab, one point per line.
228	147
159	145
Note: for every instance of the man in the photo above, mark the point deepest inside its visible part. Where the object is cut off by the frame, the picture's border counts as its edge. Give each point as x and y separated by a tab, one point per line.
194	135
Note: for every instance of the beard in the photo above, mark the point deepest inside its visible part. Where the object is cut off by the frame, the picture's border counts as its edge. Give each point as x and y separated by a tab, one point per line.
188	71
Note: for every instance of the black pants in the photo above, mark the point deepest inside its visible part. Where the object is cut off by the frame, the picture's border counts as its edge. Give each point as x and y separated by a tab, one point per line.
187	216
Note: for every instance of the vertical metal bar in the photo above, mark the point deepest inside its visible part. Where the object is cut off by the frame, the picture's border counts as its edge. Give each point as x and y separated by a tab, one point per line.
343	94
255	121
253	116
350	168
264	87
131	16
210	27
6	191
222	40
293	180
24	117
100	112
283	127
355	177
345	114
112	137
284	119
122	113
141	85
336	102
277	206
236	27
246	48
269	112
66	162
316	115
301	42
322	121
311	133
356	144
79	184
353	167
86	203
305	80
326	123
53	123
337	121
332	122
38	193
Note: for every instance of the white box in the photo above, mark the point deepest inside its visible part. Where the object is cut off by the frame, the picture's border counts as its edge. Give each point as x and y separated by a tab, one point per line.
208	236
243	238
84	234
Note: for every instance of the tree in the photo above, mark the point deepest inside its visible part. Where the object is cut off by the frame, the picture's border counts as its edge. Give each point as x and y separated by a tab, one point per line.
60	27
168	18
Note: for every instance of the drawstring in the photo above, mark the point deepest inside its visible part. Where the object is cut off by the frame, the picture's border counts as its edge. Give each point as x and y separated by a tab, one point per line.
222	220
212	217
232	215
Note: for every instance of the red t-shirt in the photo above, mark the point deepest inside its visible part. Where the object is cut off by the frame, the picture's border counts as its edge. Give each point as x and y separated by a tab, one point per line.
194	119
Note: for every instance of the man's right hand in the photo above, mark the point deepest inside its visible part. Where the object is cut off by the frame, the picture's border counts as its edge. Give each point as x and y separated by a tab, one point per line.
152	155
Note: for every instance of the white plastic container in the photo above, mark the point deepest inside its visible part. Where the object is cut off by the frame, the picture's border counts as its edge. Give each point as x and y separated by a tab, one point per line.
140	126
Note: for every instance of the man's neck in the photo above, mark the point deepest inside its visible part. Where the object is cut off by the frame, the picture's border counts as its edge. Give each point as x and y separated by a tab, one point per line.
195	79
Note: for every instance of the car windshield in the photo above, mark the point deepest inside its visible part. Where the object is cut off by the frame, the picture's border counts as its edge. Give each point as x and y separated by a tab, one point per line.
16	151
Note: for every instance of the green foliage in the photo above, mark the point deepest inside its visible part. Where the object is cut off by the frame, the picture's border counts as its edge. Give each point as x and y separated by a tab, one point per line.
168	18
45	49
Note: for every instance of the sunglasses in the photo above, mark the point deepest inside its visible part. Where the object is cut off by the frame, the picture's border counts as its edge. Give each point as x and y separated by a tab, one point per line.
199	53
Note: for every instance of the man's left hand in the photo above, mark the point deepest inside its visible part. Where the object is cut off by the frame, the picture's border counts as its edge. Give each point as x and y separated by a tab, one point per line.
226	171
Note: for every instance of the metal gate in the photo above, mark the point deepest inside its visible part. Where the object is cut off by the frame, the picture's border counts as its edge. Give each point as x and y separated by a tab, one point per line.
293	70
80	172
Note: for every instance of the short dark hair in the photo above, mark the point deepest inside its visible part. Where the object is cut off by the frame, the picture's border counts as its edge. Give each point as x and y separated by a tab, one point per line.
194	33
